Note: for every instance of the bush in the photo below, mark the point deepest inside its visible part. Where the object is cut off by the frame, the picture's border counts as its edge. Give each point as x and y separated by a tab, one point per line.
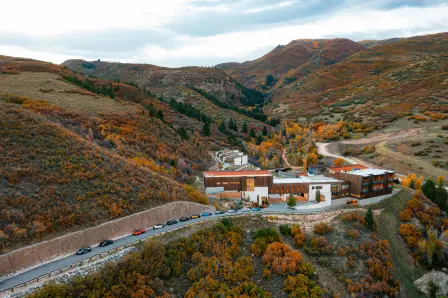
285	230
353	234
298	235
318	246
292	201
322	228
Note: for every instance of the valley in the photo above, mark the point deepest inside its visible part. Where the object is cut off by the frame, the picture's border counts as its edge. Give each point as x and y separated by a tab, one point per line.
331	179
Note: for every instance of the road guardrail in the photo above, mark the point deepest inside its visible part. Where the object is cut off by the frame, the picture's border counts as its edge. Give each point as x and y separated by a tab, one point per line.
12	290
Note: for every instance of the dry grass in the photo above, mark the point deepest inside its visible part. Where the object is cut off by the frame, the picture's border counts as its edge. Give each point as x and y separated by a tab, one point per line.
65	95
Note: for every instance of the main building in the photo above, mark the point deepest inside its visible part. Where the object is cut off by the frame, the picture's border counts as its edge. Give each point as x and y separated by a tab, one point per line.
258	186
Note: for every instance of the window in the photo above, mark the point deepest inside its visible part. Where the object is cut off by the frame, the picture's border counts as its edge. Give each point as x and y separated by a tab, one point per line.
317	187
250	184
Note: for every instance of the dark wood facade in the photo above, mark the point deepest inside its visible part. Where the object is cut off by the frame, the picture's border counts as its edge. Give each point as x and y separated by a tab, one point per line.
238	183
369	186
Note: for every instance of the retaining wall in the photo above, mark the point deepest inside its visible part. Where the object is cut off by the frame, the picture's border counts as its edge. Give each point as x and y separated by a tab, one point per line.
29	256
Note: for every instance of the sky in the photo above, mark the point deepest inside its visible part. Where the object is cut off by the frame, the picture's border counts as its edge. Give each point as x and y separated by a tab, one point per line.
200	32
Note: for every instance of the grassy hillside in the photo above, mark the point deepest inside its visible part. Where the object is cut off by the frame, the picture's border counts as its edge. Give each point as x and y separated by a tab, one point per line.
378	84
193	85
286	64
71	157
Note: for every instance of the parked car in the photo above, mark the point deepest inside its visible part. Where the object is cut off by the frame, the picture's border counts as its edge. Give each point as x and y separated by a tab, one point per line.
106	243
171	222
352	202
255	209
139	232
245	210
206	214
195	216
184	218
83	250
158	226
219	212
231	211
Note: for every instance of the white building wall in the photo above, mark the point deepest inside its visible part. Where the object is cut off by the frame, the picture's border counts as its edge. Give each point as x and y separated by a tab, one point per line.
258	192
325	191
244	160
237	161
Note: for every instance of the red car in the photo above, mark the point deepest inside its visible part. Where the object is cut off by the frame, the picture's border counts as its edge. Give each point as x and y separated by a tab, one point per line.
139	232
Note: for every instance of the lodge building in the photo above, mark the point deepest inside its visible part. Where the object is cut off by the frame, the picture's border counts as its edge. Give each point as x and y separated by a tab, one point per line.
258	186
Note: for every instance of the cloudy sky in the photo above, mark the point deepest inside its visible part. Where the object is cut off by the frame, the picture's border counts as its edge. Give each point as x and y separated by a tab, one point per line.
200	32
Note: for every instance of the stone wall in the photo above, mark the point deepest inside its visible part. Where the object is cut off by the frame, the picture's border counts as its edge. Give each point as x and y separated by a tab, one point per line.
33	255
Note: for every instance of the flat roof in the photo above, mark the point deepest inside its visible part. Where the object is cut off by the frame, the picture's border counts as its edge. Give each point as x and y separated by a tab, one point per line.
348	168
307	179
369	172
236	173
233	156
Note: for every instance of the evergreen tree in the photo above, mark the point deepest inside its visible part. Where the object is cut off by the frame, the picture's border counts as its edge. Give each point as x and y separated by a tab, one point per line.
160	115
441	198
183	133
252	133
318	196
206	129
291	201
429	190
259	140
432	289
222	127
265	131
412	184
244	127
369	219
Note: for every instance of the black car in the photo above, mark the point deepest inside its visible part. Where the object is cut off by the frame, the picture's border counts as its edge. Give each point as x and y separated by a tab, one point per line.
172	222
106	243
184	218
83	250
218	212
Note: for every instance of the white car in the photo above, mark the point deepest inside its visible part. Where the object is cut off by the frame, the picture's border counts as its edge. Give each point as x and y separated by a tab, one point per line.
231	211
245	210
158	226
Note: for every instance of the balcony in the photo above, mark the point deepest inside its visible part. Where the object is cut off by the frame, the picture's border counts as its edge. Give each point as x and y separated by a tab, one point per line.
365	183
377	181
365	191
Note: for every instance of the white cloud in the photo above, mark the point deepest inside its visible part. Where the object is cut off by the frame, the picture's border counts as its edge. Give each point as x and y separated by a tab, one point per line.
270	7
236	46
50	20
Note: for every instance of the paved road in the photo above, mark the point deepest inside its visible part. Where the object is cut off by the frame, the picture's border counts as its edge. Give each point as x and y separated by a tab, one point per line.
65	261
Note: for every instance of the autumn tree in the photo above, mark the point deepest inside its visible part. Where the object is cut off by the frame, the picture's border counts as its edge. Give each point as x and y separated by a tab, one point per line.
338	162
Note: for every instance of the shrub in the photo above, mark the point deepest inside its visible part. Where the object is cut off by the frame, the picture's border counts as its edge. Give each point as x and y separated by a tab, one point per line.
318	246
285	230
281	259
353	234
322	228
298	235
292	201
406	215
301	286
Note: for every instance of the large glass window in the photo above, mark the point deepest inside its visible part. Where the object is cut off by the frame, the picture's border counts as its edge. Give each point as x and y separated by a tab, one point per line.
250	184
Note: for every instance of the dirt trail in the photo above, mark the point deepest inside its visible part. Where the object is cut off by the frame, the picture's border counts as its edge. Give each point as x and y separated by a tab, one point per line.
287	162
325	148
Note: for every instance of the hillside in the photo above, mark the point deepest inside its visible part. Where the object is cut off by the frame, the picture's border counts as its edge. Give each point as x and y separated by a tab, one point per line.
378	84
70	157
197	86
291	62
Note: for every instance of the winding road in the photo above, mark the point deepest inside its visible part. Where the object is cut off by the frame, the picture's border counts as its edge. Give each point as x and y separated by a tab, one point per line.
13	281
